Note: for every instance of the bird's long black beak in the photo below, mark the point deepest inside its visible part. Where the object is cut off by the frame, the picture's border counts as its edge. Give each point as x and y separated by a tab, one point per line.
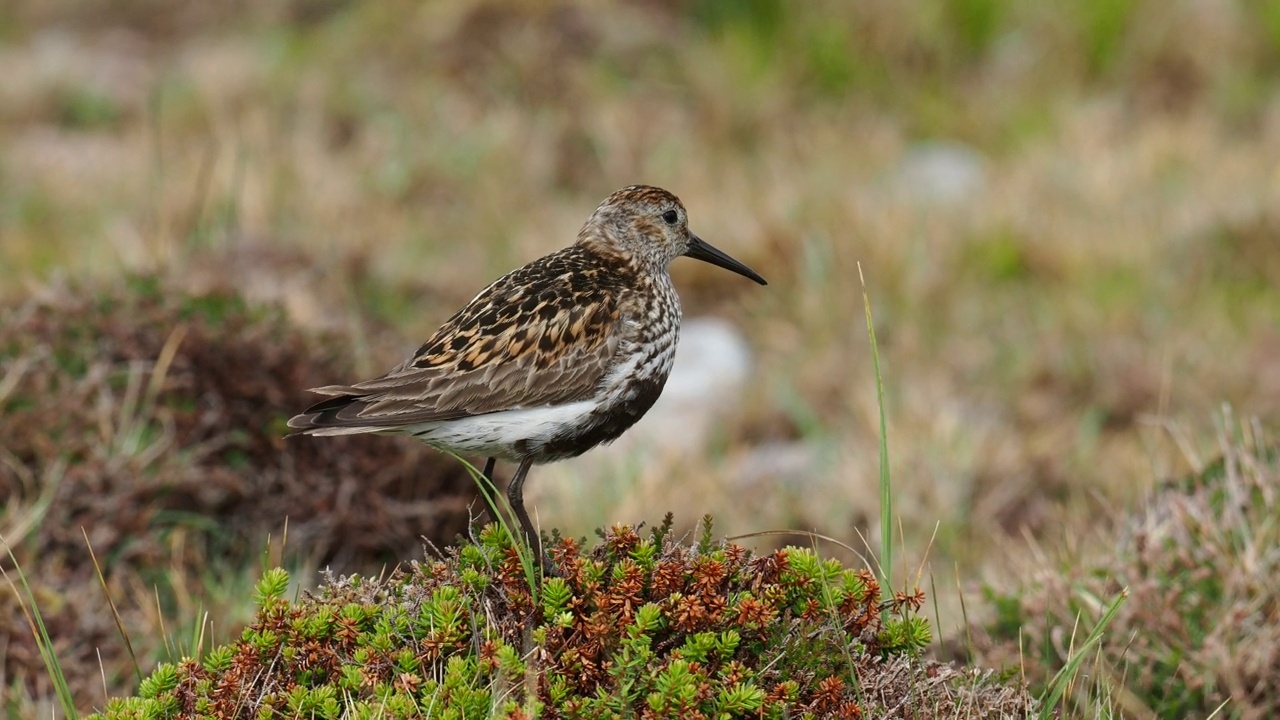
704	251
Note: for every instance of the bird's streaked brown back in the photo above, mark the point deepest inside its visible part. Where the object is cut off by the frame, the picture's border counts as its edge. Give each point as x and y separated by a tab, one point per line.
541	335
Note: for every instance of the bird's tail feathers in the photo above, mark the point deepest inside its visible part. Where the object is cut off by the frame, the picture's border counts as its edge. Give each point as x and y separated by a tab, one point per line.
332	431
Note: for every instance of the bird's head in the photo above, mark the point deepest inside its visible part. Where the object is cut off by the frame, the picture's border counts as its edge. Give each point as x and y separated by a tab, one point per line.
650	225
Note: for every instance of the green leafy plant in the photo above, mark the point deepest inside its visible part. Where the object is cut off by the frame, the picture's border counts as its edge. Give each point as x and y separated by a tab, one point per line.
630	626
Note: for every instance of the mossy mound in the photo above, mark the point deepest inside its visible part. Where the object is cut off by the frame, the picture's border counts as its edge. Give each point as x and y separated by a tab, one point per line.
631	627
150	424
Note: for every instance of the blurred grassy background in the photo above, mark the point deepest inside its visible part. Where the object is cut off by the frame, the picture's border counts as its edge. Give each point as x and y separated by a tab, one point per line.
1068	215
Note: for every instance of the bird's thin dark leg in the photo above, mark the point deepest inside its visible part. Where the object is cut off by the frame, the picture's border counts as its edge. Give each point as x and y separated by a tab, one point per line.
515	495
490	490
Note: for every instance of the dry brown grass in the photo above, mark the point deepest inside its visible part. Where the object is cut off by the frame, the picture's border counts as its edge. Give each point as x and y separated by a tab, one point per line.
1113	273
149	425
1198	633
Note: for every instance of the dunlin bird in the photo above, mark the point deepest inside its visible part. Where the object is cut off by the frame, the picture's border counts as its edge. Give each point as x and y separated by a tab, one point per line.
550	360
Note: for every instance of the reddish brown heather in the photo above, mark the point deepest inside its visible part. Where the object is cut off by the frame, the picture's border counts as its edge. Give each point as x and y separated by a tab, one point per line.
806	664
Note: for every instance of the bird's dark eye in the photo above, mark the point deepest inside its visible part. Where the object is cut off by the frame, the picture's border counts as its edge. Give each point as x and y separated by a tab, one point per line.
670	217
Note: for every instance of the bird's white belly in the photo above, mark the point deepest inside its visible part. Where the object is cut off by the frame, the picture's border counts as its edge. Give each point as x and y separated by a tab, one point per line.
506	434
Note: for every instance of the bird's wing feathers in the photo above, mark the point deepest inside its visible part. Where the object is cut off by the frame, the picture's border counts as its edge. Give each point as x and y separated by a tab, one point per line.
522	342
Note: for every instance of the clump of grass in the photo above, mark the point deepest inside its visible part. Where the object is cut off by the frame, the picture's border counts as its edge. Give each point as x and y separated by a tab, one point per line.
1201	630
149	424
631	626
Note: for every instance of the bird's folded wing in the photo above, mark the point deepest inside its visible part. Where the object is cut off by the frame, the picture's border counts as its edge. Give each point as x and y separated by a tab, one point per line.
498	353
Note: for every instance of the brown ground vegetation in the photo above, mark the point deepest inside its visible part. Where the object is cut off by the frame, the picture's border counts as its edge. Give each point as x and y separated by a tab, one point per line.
150	423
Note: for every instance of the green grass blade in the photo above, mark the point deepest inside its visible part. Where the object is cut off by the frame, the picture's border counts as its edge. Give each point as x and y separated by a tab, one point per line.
886	496
1058	685
492	499
40	634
